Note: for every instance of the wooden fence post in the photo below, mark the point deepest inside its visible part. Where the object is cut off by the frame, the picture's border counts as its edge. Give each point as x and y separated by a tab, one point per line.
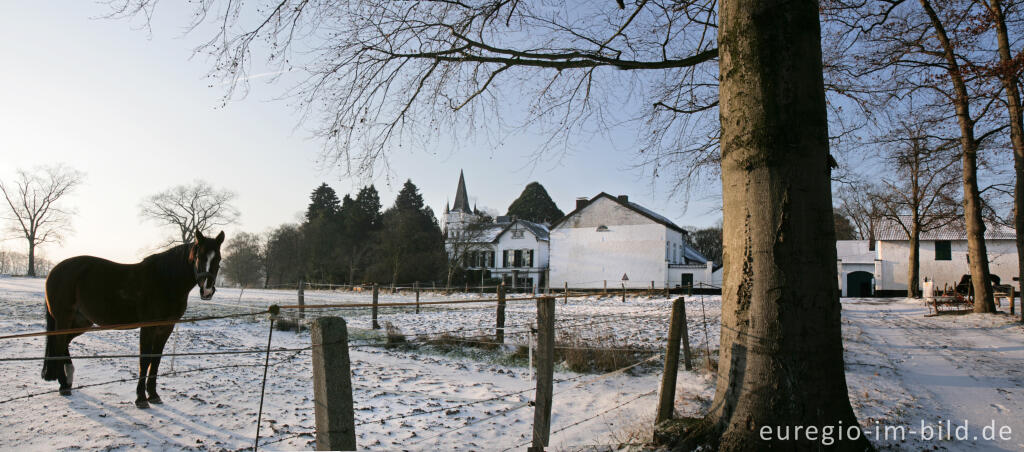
332	385
416	286
499	331
376	290
545	372
566	292
623	292
685	334
302	299
652	289
605	288
667	395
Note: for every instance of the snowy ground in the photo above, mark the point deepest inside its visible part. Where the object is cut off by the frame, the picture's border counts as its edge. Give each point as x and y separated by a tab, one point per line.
902	368
906	369
440	396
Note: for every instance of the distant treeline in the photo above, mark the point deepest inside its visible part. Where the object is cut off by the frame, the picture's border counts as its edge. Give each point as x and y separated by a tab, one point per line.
346	241
15	263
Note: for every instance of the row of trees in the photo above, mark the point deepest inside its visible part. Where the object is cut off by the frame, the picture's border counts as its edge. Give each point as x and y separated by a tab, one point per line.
344	241
352	241
938	84
15	263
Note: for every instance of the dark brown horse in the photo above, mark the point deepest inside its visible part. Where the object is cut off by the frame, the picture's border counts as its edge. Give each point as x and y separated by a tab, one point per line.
83	291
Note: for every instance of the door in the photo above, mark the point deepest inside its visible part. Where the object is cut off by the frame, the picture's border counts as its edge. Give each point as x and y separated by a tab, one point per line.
686	280
858	284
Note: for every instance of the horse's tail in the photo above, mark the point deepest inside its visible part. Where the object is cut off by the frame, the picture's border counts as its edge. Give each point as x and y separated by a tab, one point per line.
51	368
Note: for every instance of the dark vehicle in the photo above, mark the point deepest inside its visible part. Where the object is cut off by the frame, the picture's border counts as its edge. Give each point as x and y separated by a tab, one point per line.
964	287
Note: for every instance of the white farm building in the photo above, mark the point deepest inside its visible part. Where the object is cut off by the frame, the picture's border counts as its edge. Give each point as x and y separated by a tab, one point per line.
609	241
881	268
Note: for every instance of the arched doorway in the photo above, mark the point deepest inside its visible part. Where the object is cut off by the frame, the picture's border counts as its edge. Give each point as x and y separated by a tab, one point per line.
858	284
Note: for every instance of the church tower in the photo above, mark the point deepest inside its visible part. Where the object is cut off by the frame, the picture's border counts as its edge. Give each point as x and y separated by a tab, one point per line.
460	214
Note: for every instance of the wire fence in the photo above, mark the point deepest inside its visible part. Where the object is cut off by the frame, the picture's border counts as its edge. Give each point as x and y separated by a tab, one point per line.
458	335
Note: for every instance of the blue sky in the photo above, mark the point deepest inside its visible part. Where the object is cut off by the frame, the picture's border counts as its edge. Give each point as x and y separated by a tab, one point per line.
135	111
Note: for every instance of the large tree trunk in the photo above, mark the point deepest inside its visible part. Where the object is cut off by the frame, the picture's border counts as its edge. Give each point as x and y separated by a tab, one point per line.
977	252
781	356
1007	75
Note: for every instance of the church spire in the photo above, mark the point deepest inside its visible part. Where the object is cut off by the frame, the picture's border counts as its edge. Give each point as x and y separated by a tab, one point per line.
461	198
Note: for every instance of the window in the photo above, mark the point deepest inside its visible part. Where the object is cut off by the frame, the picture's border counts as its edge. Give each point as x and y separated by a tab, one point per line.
943	251
529	258
490	259
517	233
506	260
517	259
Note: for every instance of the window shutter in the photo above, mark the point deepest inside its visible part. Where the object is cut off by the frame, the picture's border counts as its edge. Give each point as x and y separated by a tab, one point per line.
943	251
529	258
504	259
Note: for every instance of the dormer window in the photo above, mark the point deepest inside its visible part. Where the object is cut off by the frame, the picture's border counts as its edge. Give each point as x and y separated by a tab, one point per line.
602	228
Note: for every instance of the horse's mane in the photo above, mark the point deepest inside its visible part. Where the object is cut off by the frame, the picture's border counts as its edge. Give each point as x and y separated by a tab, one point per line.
172	262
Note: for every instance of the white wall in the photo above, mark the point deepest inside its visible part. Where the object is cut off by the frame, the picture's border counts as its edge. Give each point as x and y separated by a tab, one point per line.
633	245
702	274
895	255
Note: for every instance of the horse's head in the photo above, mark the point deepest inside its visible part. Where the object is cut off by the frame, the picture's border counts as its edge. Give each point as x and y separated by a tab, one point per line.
204	257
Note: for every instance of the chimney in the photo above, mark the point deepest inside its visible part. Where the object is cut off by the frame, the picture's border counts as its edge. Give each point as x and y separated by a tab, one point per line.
623	198
581	203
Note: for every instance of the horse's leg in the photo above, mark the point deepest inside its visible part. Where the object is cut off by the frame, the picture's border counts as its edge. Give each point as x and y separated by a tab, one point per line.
57	347
79	321
159	340
145	348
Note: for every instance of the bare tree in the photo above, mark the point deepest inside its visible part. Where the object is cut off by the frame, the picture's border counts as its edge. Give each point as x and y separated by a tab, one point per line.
1008	70
922	193
188	208
858	201
36	212
243	262
468	242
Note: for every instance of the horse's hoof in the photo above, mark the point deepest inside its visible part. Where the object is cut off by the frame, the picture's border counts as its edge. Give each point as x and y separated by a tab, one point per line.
142	404
65	391
155	399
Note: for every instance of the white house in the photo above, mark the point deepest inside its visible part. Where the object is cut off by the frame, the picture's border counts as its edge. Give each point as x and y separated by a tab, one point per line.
511	249
881	269
943	255
610	241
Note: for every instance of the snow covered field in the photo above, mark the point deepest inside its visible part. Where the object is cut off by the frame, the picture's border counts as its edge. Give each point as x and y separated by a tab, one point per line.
902	368
217	409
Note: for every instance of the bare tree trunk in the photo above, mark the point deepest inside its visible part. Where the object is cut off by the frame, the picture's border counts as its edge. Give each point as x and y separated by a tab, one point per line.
976	249
1013	103
31	257
914	275
781	357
